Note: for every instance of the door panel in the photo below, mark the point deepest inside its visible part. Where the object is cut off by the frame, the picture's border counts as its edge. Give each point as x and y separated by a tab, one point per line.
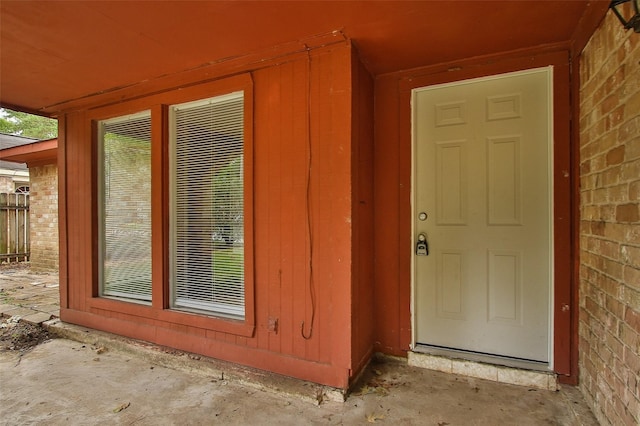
482	161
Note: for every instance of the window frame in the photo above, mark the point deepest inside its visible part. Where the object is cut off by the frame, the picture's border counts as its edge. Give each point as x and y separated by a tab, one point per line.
221	310
160	312
102	204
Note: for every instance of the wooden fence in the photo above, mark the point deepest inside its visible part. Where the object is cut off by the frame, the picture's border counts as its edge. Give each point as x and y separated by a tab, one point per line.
14	227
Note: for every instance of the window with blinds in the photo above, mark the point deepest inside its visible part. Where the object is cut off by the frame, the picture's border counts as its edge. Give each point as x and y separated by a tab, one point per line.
207	201
125	207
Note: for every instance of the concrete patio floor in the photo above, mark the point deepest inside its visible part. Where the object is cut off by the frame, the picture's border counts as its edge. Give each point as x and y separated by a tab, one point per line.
90	377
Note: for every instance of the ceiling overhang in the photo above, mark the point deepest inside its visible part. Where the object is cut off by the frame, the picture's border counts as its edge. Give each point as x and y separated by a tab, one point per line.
34	154
56	52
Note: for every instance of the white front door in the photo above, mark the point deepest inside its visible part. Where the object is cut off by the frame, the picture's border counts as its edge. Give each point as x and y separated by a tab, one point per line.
482	196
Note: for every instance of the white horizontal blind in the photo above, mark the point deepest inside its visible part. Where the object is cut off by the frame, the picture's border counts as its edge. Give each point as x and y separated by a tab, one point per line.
125	249
208	205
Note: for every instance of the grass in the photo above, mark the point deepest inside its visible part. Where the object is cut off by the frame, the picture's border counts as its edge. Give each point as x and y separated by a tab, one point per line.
228	264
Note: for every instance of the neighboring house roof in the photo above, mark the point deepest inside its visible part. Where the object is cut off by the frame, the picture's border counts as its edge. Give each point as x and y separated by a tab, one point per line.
9	142
36	153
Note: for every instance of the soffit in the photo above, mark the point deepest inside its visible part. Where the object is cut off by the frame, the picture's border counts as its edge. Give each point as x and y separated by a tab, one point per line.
54	52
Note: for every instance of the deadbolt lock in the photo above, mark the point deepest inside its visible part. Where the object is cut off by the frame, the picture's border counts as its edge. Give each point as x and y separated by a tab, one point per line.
422	247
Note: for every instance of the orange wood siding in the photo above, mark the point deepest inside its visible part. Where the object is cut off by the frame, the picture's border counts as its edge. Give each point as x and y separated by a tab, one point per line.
393	193
362	207
303	118
78	201
391	239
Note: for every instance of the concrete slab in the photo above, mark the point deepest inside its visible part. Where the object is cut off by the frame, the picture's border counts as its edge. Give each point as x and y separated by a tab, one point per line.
36	318
18	311
67	382
99	378
496	373
32	293
6	308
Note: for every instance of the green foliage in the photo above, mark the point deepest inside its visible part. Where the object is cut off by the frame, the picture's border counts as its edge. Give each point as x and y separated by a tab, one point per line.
228	265
228	202
27	125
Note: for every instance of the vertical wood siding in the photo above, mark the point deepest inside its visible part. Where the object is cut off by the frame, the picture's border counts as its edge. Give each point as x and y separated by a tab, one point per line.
392	185
79	201
302	117
362	207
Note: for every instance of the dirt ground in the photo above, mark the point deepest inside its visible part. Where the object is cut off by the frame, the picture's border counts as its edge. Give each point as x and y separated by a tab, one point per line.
21	336
16	335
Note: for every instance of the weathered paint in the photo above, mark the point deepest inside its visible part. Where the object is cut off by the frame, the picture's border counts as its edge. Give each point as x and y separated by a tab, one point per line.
34	154
54	53
305	117
393	197
309	102
363	252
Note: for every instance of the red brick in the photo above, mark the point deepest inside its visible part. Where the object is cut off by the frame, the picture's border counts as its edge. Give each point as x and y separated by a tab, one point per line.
618	193
609	104
598	228
615	155
614	345
613	268
614	306
608	213
615	117
588	182
630	171
629	336
616	79
632	234
611	177
631	255
628	213
44	218
630	296
609	231
631	359
634	190
610	249
632	276
632	318
629	130
601	196
615	231
586	197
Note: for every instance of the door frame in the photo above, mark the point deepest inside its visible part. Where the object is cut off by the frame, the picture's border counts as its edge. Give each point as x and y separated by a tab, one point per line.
565	181
549	73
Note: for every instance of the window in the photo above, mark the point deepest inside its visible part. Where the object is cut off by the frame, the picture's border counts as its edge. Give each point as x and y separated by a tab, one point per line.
207	206
125	207
22	189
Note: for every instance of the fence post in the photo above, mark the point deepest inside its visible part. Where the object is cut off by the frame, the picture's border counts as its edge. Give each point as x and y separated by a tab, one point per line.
14	227
4	226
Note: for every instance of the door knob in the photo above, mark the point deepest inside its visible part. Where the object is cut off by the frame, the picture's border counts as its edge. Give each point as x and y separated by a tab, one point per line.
422	247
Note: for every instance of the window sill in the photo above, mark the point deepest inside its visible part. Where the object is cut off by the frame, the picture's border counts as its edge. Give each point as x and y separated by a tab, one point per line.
168	317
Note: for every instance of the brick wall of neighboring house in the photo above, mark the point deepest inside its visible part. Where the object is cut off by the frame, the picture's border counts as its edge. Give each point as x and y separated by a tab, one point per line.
610	224
6	185
44	217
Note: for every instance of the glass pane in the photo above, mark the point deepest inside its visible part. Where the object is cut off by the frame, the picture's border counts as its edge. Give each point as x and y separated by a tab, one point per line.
126	207
208	198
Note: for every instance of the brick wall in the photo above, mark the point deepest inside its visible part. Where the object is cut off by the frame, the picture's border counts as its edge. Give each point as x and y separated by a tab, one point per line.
610	224
6	185
44	217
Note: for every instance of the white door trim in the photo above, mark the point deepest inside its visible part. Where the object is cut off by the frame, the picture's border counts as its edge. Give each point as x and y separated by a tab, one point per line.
550	132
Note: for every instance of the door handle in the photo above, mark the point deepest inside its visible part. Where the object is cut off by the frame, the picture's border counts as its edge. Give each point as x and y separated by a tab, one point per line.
422	246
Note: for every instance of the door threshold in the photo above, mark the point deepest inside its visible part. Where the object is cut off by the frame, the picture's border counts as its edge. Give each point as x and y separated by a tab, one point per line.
481	366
